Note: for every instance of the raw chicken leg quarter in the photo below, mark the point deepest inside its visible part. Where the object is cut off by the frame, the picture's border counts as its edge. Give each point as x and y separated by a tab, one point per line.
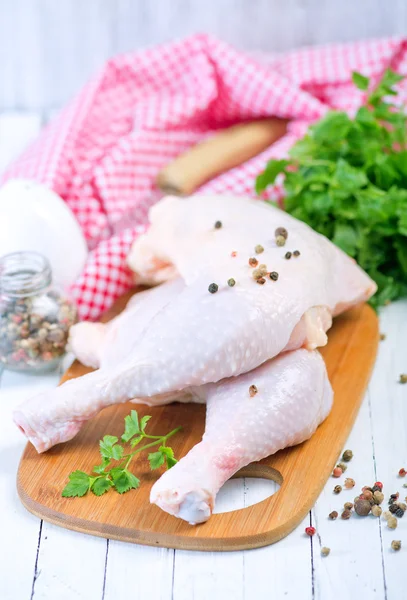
294	396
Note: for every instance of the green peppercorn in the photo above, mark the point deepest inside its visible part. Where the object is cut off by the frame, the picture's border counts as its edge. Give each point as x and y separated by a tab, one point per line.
403	378
347	455
231	282
213	288
325	551
280	240
273	275
396	545
218	224
258	249
288	255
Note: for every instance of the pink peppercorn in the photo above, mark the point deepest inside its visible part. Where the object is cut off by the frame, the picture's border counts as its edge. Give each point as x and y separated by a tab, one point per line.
402	472
379	484
337	472
310	531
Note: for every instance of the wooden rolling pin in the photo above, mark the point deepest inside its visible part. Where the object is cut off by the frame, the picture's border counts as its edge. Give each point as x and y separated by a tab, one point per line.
225	150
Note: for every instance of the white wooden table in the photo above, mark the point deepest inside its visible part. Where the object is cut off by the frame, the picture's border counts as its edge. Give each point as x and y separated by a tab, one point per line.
44	562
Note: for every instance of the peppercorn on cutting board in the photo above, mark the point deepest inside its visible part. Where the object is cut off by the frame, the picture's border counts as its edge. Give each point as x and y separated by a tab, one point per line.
302	471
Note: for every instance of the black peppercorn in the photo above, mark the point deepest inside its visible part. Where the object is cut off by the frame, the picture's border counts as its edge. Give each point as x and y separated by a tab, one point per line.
296	252
273	275
287	255
393	508
218	224
213	288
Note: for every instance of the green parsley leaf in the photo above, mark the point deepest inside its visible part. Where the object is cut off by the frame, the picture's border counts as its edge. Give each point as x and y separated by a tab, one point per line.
106	446
169	456
144	421
156	459
125	481
78	485
101	485
131	426
360	80
273	168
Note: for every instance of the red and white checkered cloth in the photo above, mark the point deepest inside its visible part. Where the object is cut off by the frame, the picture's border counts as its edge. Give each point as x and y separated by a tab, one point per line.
102	153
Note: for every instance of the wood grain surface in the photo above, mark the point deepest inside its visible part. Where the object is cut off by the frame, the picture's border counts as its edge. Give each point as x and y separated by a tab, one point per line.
302	471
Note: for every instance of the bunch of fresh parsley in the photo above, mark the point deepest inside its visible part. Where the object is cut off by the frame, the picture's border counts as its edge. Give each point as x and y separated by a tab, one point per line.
116	474
347	178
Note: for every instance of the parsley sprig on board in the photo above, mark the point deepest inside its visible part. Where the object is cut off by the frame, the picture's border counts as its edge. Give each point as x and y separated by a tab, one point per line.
114	472
347	178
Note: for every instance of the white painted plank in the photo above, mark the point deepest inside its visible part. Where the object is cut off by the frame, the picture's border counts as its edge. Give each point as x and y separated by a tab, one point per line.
49	49
17	130
19	529
356	542
70	565
138	572
388	403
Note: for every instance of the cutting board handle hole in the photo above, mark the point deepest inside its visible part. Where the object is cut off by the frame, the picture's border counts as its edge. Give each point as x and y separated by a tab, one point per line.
241	492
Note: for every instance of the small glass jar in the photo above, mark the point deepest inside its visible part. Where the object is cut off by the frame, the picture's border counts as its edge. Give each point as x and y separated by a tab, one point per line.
34	317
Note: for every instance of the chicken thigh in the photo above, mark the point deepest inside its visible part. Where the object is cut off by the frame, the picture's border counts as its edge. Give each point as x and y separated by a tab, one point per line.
188	336
294	396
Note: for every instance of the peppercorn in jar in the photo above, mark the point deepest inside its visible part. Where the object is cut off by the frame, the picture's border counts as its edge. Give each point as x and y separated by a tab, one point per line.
34	317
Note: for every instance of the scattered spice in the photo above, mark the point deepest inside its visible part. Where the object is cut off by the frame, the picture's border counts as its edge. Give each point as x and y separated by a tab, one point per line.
403	378
402	472
378	497
349	483
399	512
288	255
231	282
403	506
258	249
382	337
347	455
325	551
386	515
393	497
337	472
233	254
376	510
379	485
392	522
213	288
348	505
396	545
310	531
280	240
368	495
333	515
261	281
281	231
253	262
218	224
296	253
346	514
273	275
362	507
253	391
342	466
337	489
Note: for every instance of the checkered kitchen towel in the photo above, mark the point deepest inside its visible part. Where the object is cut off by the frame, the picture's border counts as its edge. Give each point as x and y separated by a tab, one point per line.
102	153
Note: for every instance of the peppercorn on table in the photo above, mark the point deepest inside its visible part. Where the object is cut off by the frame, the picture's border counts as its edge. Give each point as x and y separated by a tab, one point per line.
39	560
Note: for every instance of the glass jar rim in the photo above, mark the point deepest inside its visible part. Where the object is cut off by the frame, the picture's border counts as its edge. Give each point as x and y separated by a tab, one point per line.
24	274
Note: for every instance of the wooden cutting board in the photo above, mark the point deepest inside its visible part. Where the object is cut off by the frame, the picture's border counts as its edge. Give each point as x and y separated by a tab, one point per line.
301	471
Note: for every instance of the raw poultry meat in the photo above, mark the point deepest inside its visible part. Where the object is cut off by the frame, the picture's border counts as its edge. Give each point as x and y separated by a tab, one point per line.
294	396
192	337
